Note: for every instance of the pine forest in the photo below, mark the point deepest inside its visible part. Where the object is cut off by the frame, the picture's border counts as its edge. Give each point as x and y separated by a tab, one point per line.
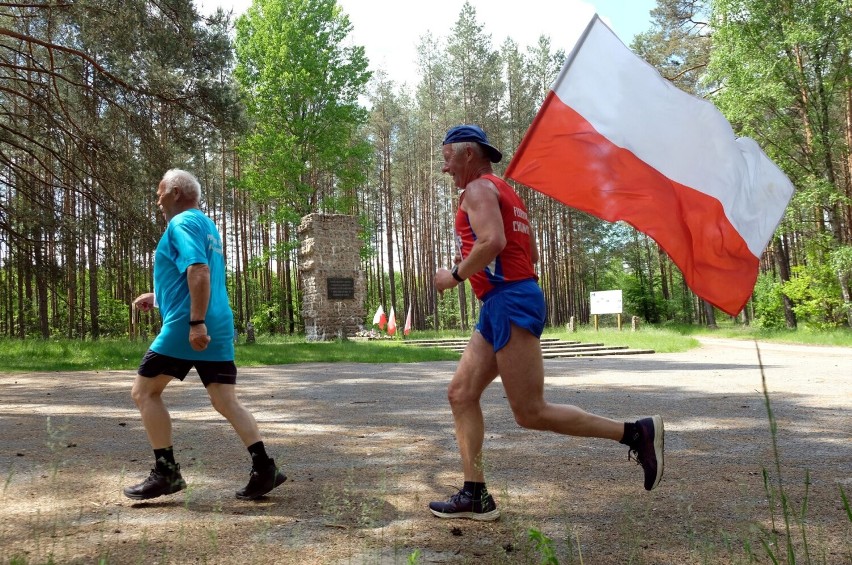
278	115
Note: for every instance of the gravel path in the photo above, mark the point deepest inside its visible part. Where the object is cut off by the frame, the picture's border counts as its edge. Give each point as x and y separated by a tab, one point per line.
367	446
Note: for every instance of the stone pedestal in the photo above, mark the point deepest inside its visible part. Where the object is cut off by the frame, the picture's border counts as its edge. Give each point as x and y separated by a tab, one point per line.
332	281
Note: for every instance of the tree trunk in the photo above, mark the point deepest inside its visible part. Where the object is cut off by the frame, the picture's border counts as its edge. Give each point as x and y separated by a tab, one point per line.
290	299
664	279
710	312
94	300
847	295
782	262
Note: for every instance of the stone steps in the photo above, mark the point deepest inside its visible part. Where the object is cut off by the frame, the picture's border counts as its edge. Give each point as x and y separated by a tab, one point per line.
551	348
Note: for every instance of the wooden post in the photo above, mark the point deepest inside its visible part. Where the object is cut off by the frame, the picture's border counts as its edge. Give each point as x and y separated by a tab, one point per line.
134	320
596	322
619	322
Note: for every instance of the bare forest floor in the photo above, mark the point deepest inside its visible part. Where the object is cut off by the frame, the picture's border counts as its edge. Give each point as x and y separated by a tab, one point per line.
366	447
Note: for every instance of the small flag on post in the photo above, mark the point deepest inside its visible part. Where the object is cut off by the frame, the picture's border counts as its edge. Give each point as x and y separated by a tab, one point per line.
379	318
407	329
392	323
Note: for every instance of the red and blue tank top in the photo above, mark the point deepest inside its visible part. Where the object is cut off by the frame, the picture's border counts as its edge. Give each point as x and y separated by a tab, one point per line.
514	263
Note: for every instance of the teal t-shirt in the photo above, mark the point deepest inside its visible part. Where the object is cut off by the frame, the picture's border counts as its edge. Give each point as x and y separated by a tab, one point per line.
190	238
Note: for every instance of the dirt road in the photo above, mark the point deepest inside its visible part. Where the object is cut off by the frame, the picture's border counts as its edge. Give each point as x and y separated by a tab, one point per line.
366	447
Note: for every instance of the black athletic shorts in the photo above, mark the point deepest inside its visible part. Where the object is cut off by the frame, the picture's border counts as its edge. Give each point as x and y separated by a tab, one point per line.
153	364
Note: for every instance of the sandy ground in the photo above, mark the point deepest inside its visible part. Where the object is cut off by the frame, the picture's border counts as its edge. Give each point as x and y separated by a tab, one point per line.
366	447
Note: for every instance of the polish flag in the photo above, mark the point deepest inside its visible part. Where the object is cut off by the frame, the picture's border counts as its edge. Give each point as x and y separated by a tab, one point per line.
379	318
391	323
615	139
407	329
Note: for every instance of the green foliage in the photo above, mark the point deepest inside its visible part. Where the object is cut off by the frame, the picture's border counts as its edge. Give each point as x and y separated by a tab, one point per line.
640	302
784	73
449	310
768	302
678	45
840	260
266	318
815	292
113	316
301	84
544	545
846	505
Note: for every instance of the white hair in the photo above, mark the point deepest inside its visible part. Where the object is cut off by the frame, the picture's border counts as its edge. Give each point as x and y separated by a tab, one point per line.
460	146
185	181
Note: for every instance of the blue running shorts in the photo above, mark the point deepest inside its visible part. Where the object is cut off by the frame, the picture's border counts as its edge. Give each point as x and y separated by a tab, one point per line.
519	303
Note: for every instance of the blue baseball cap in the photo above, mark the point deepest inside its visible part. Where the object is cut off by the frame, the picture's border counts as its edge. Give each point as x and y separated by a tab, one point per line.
470	132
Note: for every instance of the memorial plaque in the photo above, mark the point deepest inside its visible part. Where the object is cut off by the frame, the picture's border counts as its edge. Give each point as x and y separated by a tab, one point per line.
341	288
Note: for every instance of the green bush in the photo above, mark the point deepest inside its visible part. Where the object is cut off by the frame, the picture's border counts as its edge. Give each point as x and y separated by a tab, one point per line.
768	303
815	292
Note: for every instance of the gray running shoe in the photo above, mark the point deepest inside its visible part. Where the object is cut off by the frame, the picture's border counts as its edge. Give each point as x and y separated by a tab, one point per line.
158	483
646	448
261	481
462	505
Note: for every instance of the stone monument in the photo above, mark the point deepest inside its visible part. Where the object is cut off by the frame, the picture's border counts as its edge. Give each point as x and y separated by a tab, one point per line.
332	281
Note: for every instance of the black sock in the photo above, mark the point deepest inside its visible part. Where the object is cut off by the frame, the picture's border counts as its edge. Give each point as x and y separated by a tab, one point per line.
259	458
165	459
477	490
631	433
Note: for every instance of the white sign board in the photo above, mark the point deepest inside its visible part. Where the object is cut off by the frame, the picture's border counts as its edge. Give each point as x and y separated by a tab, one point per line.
605	302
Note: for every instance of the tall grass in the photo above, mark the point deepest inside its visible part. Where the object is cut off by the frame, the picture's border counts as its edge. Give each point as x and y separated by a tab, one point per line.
776	494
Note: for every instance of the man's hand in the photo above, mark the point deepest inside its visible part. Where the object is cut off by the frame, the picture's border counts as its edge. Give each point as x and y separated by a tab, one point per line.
444	280
198	337
144	302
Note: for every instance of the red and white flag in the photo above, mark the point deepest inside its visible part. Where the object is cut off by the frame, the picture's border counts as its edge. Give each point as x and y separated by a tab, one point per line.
615	139
407	329
379	318
391	323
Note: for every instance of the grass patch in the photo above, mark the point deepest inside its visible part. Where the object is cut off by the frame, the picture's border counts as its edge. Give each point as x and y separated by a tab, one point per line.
661	340
839	337
36	355
54	355
51	355
296	350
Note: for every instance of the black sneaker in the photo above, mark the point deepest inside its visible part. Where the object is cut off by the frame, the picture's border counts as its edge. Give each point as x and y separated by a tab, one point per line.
462	505
261	482
647	449
158	483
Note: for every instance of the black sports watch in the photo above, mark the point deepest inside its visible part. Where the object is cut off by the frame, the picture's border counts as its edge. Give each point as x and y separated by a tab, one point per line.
196	322
455	273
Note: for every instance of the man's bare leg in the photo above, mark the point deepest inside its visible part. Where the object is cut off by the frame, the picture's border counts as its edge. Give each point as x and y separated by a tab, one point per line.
476	370
522	372
265	475
147	394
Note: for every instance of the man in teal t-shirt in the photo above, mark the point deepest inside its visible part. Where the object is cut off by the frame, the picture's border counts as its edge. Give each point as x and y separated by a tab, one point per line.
198	331
191	239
